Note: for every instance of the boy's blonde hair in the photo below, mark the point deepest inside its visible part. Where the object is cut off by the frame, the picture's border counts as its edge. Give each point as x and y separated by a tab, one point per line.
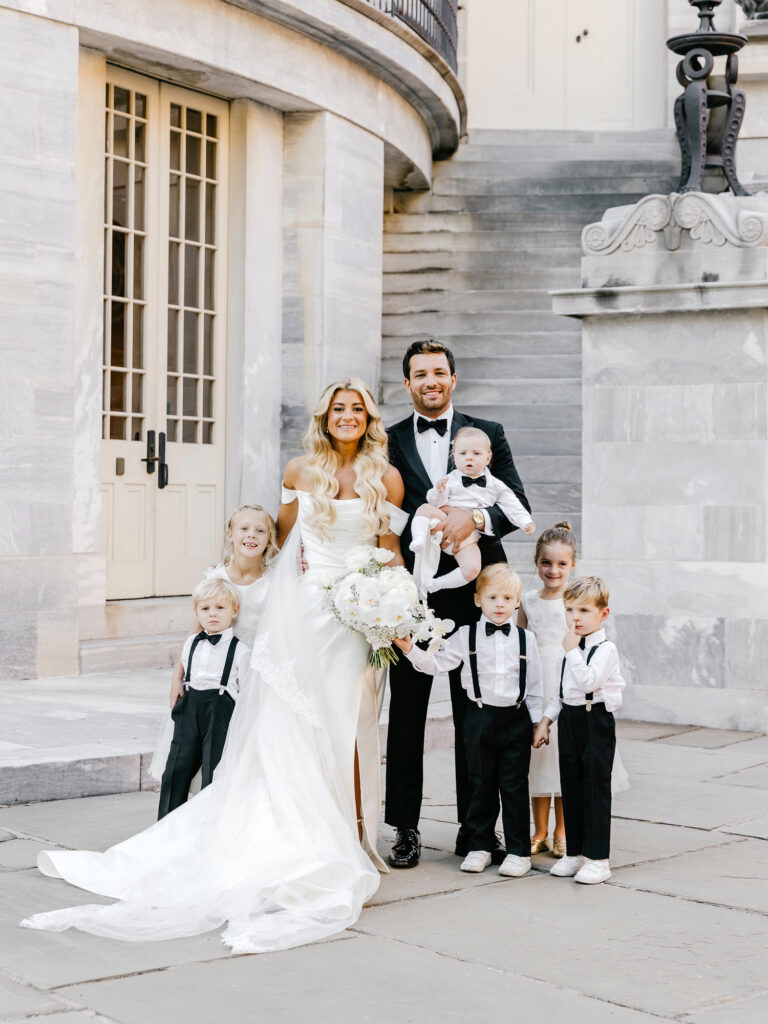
469	432
589	590
207	590
498	575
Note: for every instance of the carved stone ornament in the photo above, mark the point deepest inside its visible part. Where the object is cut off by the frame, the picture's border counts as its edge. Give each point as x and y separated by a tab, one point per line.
754	8
660	221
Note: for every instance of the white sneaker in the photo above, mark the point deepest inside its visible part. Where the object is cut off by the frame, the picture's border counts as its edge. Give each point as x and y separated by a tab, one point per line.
514	866
566	866
476	861
593	872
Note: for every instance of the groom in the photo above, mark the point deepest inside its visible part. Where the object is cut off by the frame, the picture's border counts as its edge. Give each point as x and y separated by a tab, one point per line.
419	447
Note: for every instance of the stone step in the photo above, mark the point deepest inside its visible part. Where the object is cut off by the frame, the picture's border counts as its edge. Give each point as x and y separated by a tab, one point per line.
556	170
146	616
561	189
511	153
549	343
495	367
531	391
479	280
536	208
467	302
437	323
538	137
461	221
537	243
517	419
462	260
120	654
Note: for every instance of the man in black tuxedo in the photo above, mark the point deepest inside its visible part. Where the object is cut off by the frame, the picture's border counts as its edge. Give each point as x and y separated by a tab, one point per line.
419	447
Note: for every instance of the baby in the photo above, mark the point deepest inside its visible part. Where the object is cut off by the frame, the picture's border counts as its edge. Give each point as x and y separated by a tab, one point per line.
469	486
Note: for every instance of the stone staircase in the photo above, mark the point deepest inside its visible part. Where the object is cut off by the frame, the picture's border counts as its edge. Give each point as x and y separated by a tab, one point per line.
472	262
134	635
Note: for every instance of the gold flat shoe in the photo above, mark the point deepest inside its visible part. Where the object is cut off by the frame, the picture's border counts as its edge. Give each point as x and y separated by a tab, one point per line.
559	847
539	845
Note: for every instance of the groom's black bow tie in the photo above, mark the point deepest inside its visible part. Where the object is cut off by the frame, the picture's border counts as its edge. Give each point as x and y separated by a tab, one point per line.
213	639
467	481
491	627
422	424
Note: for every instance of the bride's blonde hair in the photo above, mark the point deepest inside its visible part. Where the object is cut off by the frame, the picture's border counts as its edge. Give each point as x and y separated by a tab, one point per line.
371	462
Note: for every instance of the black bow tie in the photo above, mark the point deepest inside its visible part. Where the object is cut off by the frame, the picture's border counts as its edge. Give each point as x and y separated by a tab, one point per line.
423	424
467	481
211	638
491	627
583	643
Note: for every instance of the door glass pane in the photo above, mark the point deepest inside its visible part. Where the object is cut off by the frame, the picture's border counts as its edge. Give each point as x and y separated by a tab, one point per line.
124	262
193	191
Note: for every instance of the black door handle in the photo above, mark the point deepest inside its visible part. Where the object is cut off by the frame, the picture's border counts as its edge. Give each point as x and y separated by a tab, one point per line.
162	479
151	458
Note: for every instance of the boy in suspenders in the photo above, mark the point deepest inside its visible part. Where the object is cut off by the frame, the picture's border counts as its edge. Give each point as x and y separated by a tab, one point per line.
501	673
215	667
590	691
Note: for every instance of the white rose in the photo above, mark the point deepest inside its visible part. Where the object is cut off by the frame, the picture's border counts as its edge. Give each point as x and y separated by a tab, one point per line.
382	555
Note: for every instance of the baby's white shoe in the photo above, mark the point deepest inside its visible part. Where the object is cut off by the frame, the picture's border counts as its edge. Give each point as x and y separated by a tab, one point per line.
476	861
593	872
566	866
515	867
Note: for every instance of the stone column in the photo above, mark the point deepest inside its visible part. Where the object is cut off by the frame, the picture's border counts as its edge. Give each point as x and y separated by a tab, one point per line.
674	305
333	217
38	195
254	305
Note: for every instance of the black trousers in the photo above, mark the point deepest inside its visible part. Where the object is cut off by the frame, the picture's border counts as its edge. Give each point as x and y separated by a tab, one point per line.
586	743
200	723
497	744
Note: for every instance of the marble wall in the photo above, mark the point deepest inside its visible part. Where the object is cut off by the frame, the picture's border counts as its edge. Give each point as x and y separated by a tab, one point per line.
38	192
675	452
332	251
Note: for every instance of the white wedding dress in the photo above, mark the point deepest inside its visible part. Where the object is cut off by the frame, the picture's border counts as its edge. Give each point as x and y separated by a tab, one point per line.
270	849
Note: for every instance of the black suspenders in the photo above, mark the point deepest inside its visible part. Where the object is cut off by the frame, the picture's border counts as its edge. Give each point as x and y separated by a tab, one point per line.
589	696
227	663
473	663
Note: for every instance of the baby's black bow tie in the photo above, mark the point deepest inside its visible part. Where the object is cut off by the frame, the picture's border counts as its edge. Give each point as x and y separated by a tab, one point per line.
491	627
211	638
467	481
422	424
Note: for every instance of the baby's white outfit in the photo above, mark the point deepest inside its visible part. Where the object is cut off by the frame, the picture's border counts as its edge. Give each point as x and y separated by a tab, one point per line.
426	546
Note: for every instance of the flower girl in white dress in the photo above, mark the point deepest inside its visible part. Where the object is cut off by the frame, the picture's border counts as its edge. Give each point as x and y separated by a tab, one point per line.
542	611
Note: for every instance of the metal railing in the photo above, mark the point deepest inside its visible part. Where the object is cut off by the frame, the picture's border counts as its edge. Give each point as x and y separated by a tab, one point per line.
433	20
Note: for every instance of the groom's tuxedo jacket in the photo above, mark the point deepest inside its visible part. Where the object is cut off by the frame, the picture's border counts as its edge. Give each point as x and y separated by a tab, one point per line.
404	455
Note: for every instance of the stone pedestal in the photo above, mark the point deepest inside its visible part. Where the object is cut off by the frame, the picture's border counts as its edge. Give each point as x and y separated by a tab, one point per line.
333	223
674	304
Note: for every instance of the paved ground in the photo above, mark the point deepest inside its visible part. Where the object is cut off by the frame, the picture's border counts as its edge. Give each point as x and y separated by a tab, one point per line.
680	933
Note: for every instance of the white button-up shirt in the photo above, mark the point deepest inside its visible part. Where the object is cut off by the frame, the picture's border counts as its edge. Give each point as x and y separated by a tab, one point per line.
208	663
457	495
498	666
433	449
601	677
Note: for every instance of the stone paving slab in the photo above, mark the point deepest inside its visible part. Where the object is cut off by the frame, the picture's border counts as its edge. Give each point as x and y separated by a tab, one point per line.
712	739
626	729
20	1000
745	1011
756	827
85	824
754	778
641	950
663	760
51	959
693	804
19	854
364	979
732	875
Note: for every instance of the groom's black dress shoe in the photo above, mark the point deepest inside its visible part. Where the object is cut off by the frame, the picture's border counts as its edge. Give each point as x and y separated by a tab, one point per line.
406	850
498	852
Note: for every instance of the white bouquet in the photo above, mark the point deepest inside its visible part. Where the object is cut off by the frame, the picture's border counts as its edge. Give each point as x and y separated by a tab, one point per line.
382	603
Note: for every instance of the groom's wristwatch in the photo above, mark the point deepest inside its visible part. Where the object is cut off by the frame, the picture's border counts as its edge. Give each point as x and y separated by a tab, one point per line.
478	518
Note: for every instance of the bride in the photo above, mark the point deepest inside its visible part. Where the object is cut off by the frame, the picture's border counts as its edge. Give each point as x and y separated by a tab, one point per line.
281	847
